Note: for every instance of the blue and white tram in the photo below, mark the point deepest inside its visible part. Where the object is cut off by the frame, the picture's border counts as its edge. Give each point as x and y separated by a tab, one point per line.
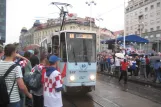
77	50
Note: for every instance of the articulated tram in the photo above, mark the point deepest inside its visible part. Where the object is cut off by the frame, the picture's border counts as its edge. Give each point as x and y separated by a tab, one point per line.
77	49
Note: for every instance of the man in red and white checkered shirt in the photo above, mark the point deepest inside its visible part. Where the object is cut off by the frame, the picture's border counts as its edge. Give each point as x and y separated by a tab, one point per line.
52	84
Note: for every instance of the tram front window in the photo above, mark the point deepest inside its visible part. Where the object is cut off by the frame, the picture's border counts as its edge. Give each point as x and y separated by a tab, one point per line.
81	47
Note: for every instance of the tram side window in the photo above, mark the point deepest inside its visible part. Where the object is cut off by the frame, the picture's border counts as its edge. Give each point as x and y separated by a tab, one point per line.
55	45
63	53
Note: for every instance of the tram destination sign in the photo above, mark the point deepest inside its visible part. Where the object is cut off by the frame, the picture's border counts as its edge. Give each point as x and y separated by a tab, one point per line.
81	36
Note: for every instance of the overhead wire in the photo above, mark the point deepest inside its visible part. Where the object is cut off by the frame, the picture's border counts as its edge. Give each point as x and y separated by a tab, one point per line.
111	10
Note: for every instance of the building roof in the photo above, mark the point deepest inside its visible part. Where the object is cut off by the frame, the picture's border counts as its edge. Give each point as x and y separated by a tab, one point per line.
56	22
120	32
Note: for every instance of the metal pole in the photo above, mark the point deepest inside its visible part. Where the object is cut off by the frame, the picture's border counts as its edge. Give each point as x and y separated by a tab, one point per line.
124	26
90	16
140	36
158	45
99	37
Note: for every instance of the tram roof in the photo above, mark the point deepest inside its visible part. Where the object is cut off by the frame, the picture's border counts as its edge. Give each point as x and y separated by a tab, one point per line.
73	31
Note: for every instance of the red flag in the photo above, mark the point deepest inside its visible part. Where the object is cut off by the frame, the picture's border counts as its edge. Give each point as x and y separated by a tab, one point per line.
63	74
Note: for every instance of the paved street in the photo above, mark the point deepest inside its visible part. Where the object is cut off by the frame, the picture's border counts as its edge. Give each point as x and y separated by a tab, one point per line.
109	93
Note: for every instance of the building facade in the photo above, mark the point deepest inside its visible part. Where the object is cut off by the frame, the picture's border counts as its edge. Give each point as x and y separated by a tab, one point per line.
40	31
2	21
143	17
26	38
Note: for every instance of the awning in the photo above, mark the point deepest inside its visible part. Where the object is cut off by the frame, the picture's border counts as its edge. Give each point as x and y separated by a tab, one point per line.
129	38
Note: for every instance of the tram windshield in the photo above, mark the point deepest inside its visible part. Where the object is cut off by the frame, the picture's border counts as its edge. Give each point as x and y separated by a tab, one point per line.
81	47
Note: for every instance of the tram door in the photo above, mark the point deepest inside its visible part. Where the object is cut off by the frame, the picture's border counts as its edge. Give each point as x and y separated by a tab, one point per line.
63	55
55	45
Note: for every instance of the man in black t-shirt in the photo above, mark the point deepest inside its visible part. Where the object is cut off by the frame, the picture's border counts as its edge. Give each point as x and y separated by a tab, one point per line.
34	59
137	65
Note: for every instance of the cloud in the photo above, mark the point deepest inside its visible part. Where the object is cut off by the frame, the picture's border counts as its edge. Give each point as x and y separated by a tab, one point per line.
22	13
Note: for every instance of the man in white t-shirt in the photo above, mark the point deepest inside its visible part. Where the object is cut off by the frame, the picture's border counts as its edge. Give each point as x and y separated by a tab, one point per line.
52	84
14	75
117	65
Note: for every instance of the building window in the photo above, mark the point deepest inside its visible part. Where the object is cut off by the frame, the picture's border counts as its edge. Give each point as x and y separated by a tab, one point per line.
141	17
158	13
158	4
127	9
135	13
146	9
151	29
146	1
141	3
158	20
131	27
146	24
136	32
146	30
136	5
158	27
152	7
131	7
152	22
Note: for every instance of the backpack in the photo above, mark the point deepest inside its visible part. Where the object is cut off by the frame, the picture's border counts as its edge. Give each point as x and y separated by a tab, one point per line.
34	82
4	95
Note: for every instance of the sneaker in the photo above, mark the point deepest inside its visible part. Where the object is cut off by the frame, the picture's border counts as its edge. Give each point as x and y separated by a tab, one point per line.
126	90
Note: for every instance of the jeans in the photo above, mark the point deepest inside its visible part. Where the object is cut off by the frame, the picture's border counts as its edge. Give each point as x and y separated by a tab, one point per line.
147	70
23	98
108	66
38	101
159	75
17	104
101	67
123	74
117	71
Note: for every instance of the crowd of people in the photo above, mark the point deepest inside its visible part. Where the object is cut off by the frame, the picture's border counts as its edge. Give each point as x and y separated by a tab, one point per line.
146	67
29	80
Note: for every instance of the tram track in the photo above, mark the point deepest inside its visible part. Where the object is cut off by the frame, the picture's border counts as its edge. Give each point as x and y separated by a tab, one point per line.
81	101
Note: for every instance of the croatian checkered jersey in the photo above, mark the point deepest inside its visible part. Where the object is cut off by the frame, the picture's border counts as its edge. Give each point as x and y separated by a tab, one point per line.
23	63
52	97
40	67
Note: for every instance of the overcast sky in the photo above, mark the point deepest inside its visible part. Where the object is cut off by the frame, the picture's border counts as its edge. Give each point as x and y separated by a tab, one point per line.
22	13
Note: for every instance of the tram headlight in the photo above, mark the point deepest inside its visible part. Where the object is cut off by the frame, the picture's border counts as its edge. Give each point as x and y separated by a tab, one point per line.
92	77
72	78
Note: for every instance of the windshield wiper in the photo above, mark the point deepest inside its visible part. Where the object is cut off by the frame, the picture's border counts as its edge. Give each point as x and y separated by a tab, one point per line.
74	57
89	63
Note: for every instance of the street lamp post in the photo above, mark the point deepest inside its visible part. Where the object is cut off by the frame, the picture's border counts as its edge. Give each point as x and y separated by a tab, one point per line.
141	24
99	19
90	3
124	24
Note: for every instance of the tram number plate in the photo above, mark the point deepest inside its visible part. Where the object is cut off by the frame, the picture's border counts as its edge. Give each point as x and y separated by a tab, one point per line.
82	77
72	72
